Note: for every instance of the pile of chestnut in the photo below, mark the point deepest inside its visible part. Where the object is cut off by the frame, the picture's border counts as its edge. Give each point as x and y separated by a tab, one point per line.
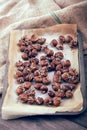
32	73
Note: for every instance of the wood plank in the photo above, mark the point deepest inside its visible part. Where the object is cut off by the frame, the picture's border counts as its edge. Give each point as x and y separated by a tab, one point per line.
40	123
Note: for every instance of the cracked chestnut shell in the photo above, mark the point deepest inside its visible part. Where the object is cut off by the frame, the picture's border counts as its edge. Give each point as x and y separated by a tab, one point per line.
69	94
54	42
39	100
34	38
19	90
48	101
56	101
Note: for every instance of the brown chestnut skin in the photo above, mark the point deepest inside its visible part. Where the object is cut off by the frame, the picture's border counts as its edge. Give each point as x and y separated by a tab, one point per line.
58	67
45	49
68	38
21	68
61	39
48	101
19	90
26	71
27	85
37	86
60	93
41	41
34	52
65	76
57	79
64	87
22	48
31	100
50	52
54	42
20	80
55	86
56	61
33	67
23	97
59	55
19	63
37	73
20	43
26	63
58	73
43	72
25	56
71	86
59	46
37	47
43	58
28	77
31	93
39	100
73	44
51	93
38	79
34	60
56	101
66	63
69	94
44	89
19	73
43	63
34	38
46	80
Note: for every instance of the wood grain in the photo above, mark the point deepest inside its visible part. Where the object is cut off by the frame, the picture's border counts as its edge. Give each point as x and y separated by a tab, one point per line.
48	122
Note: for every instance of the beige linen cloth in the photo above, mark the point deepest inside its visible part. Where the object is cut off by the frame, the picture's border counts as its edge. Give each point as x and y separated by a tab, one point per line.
23	14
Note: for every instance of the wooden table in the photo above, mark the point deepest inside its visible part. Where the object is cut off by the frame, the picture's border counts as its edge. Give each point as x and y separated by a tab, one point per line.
78	122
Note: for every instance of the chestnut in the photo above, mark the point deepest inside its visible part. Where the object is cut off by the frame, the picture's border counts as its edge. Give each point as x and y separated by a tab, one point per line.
41	41
48	101
51	93
44	89
69	94
56	101
54	42
55	86
19	90
34	38
39	101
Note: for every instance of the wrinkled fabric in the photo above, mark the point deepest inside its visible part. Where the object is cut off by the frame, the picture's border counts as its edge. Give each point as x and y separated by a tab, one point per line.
27	14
